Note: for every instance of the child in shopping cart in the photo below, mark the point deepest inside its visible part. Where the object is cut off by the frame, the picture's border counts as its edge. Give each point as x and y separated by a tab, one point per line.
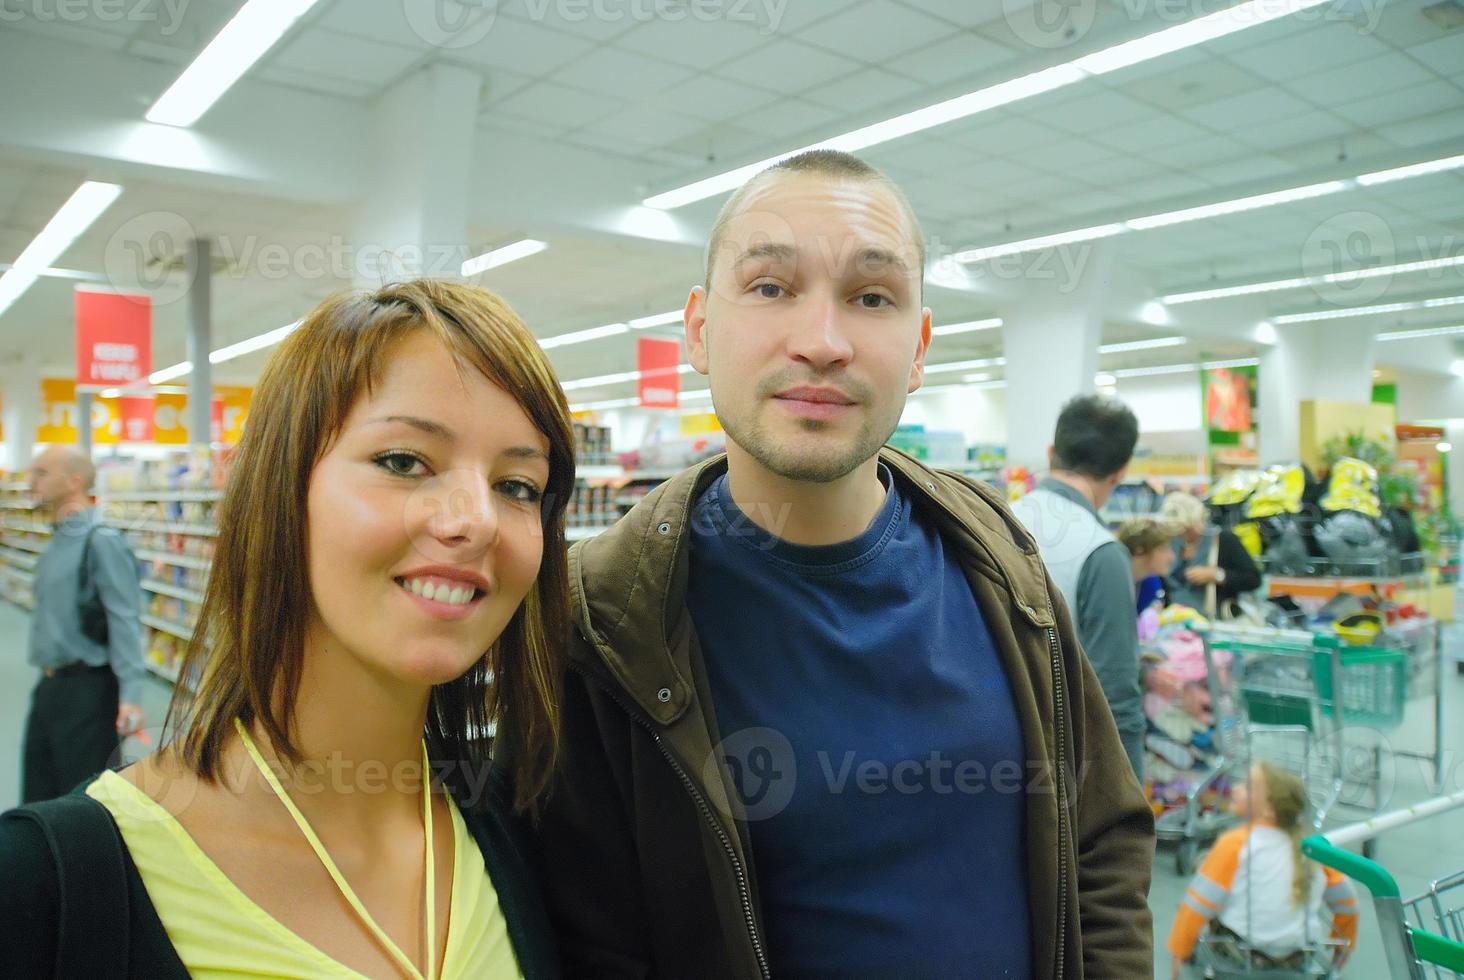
1256	892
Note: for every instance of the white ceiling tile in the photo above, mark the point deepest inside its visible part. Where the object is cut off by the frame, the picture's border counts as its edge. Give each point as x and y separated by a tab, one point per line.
322	52
523	47
555	105
701	46
169	54
614	72
1252	166
68	33
1238	112
866	89
1173	185
1325	153
599	21
1374	76
1306	128
388	23
1326	45
1118	174
967	13
992	172
1182	61
722	141
500	84
1147	134
1199	152
960	56
1002	133
1419	100
641	125
908	159
1071	153
1444	55
787	118
297	79
1425	129
1088	202
711	96
1095	110
789	66
520	125
1206	80
875	31
1401	22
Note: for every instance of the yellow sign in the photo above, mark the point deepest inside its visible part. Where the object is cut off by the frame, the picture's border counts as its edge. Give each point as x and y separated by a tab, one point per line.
59	415
235	399
698	425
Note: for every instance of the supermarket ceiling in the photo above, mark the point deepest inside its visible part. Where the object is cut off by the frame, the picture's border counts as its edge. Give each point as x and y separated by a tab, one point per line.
588	107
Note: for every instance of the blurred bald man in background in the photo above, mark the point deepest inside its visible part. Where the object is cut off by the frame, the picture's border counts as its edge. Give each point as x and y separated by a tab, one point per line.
85	635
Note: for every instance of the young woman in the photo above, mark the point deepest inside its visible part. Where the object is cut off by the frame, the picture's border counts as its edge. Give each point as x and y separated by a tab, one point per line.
1255	889
389	585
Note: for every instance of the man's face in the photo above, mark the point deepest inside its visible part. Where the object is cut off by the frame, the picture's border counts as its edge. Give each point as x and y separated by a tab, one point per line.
51	481
811	331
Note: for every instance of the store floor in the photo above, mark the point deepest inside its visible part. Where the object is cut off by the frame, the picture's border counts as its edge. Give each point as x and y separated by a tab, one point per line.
1415	854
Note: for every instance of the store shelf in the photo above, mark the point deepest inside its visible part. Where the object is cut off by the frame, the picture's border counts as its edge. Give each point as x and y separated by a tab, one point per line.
161	496
580	533
599	472
21	574
173	591
22	603
164	527
25	545
14	487
171	676
172	558
16	505
167	626
25	527
18	558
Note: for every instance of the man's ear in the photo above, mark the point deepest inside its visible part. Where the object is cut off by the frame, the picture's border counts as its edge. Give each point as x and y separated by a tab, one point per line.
917	369
695	318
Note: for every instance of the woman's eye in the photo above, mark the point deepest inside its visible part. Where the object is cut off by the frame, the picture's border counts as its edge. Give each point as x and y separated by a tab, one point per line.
521	491
873	301
769	290
401	464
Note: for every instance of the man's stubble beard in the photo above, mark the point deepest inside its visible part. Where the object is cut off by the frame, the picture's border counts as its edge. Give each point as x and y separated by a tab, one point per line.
793	463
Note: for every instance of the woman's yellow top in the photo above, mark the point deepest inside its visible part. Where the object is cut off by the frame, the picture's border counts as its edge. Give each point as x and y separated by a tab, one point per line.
219	932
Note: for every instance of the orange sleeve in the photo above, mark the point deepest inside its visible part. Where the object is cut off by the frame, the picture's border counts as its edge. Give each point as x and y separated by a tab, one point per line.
1207	892
1341	898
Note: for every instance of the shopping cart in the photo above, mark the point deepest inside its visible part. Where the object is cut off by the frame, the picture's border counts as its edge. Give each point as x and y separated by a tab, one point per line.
1423	937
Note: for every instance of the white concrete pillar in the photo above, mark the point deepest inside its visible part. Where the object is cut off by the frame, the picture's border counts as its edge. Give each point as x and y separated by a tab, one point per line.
412	220
1331	360
200	342
1051	337
20	390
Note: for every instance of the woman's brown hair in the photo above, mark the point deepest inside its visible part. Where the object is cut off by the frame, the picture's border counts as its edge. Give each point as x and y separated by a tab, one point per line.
245	656
1287	794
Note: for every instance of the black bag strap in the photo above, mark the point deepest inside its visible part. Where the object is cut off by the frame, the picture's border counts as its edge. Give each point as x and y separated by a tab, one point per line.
94	920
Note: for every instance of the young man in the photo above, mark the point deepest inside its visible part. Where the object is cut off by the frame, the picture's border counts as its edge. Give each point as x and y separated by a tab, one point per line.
1090	453
824	716
90	686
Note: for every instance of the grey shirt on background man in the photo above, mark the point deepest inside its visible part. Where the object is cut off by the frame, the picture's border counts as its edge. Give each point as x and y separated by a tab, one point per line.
56	639
1102	602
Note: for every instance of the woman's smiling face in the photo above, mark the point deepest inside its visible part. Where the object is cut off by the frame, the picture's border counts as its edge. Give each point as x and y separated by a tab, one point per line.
424	521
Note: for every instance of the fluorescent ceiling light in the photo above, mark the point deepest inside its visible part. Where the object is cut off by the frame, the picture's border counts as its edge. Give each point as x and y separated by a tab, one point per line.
656	320
1104	380
1045	241
970	326
110	393
169	373
1396	269
1457	367
607	403
1421	304
975	378
267	339
82	208
580	336
1234	362
1415	170
982	362
1237	205
1154	344
1422	332
617	378
1154	45
1147	372
233	51
502	256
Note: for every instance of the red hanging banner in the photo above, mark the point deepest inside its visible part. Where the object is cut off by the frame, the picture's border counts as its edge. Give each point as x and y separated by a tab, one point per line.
659	363
137	419
113	339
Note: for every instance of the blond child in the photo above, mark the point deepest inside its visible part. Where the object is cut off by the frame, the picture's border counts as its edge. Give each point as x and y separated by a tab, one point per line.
1254	885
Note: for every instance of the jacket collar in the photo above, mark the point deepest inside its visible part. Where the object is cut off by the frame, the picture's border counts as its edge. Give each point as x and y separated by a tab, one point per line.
628	585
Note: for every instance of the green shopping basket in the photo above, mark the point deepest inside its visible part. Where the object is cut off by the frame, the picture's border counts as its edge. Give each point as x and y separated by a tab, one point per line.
1372	689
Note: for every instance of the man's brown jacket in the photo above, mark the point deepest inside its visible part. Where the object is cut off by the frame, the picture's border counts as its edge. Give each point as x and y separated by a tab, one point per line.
648	872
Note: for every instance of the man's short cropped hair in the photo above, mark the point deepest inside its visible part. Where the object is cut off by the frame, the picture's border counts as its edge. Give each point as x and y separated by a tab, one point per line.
834	164
1095	437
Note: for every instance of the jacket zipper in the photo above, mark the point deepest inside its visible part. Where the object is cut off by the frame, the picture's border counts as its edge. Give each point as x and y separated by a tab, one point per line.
743	891
1059	703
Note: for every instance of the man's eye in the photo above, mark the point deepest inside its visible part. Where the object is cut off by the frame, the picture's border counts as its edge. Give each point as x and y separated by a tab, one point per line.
873	301
769	290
